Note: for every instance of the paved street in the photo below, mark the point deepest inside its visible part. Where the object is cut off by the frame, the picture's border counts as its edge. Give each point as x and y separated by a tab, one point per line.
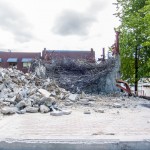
123	124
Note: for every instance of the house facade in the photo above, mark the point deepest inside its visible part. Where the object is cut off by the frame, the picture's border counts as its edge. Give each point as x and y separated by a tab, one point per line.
19	60
58	55
22	60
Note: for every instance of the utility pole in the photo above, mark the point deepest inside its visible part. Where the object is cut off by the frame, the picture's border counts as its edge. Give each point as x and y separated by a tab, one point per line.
103	55
136	71
136	67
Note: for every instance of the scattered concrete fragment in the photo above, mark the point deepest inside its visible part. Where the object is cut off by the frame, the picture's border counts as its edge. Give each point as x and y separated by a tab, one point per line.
44	109
83	95
31	109
23	111
66	112
56	113
8	110
87	111
68	103
21	93
62	96
99	110
44	92
83	102
117	105
21	104
73	97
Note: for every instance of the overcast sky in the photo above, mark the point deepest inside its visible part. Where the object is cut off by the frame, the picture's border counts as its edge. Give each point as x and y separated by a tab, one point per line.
31	25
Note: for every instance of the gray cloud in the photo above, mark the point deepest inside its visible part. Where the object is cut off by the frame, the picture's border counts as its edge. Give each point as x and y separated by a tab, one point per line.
97	6
78	23
13	21
73	23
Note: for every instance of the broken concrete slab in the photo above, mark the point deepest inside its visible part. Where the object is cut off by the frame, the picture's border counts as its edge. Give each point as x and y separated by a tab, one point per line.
44	92
99	110
8	110
87	111
66	112
56	113
21	104
117	105
31	109
68	103
73	97
44	109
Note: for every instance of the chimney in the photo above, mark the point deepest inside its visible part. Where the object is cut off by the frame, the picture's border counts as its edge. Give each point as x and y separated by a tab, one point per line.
92	50
117	42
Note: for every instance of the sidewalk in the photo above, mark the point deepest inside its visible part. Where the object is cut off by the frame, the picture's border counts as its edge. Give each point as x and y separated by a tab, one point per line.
125	124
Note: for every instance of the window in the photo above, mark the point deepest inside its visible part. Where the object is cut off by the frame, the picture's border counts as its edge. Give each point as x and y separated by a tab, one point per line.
26	64
12	64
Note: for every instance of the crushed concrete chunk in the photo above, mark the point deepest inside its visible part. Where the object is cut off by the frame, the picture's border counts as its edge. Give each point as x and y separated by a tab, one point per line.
31	109
44	92
73	97
23	111
44	109
66	112
8	110
83	102
21	104
56	113
87	111
117	105
67	103
99	110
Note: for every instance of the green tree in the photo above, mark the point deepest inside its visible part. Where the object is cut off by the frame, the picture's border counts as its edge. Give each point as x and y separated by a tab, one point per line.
134	38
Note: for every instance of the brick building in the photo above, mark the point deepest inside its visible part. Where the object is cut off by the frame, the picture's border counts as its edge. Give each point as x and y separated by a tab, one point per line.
20	60
55	55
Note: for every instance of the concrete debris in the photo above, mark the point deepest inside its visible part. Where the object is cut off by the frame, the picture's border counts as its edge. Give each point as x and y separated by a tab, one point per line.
117	105
78	76
99	110
44	109
44	92
67	103
83	102
27	93
32	109
23	111
8	110
87	111
21	104
56	113
21	93
66	112
73	97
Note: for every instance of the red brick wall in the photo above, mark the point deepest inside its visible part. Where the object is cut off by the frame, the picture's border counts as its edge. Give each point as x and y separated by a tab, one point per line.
88	56
19	55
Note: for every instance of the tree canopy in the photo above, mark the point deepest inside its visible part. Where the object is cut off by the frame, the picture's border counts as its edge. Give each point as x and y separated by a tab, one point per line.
134	37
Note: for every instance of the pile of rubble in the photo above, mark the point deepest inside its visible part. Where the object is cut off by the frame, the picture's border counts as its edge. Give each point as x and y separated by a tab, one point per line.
26	93
77	76
21	93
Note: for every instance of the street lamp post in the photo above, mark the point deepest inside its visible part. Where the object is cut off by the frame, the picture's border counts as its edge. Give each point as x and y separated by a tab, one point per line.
136	68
